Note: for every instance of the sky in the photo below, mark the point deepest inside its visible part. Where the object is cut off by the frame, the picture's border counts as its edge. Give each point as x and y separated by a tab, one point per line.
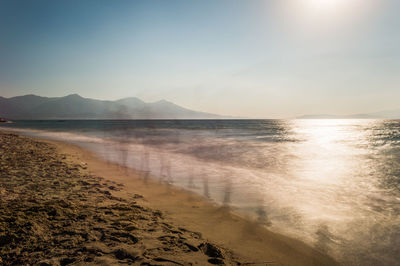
258	58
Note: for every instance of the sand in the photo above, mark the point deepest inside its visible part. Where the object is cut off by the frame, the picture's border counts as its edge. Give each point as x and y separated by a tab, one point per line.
61	205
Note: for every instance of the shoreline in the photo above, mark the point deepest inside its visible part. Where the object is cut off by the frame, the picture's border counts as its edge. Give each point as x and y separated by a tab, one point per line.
250	241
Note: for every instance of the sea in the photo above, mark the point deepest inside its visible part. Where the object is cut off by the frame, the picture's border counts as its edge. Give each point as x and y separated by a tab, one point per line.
334	184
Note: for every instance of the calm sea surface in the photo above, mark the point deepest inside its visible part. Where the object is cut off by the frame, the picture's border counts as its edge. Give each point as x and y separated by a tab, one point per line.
334	184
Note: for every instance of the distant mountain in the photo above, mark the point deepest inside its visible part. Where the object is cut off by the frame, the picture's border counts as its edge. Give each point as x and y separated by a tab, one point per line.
391	114
76	107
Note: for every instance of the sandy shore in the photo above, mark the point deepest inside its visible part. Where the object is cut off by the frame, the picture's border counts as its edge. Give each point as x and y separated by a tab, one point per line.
60	204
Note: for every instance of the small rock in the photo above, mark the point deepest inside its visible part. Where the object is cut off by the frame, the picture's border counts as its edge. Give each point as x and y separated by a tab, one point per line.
157	213
216	261
210	250
67	261
5	239
191	247
52	212
125	254
44	263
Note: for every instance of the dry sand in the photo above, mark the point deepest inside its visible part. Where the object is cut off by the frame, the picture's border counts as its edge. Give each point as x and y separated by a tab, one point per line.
60	204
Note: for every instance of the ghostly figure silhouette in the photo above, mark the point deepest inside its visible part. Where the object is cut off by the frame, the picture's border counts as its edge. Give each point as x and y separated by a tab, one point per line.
145	164
190	182
262	216
165	170
193	175
227	193
190	179
123	142
206	192
324	238
105	151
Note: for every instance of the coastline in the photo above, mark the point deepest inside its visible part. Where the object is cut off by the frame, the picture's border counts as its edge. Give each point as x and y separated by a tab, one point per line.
250	242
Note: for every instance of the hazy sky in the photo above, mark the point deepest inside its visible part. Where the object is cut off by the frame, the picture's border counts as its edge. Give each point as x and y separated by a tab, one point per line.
254	58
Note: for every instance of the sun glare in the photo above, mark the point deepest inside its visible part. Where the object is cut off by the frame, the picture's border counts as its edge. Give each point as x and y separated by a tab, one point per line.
310	15
331	10
326	6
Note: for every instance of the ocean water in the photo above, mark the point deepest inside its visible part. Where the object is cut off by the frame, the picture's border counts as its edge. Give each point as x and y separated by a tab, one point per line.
335	184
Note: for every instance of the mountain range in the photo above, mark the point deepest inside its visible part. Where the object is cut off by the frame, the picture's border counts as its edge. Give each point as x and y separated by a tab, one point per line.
76	107
390	114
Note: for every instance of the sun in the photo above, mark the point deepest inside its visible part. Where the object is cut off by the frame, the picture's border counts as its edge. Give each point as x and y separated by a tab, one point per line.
321	15
326	6
322	20
328	9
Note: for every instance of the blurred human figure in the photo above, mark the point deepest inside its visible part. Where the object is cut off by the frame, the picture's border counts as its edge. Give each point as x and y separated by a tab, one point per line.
206	192
227	193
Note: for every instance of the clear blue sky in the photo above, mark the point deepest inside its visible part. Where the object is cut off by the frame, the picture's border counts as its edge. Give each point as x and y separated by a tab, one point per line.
258	58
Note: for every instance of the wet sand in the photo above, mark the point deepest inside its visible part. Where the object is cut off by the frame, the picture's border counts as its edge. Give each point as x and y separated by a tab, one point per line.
61	204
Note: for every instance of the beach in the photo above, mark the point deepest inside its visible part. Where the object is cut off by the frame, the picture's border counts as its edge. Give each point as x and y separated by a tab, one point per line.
61	204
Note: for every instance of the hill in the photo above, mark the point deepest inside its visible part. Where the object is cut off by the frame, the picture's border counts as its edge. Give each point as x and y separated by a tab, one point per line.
76	107
390	114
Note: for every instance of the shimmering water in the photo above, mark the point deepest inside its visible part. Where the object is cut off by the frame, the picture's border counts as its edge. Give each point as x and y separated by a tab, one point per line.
334	184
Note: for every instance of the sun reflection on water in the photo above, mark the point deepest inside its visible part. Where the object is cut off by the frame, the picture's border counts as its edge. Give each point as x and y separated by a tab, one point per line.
338	172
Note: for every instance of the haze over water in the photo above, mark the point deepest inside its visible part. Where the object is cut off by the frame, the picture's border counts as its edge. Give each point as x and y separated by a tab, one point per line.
334	184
